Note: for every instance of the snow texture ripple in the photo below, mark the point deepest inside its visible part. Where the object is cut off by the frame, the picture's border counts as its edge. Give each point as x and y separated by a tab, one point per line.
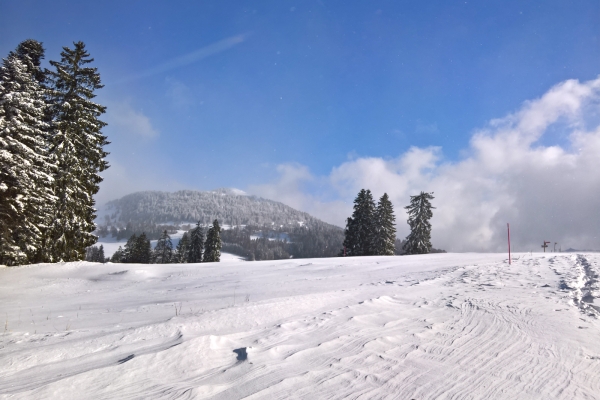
439	326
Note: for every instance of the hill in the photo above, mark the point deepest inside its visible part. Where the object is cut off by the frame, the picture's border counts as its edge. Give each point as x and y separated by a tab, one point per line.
255	228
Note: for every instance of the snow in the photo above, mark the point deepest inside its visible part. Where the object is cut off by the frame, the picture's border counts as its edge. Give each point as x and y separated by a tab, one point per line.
435	326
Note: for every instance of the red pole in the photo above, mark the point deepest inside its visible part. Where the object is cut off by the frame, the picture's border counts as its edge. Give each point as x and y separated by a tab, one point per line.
508	227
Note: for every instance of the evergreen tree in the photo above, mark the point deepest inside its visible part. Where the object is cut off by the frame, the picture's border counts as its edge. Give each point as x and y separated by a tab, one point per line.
31	53
101	257
118	256
128	253
384	237
78	150
182	250
196	244
26	197
143	250
212	249
419	214
360	227
163	252
95	254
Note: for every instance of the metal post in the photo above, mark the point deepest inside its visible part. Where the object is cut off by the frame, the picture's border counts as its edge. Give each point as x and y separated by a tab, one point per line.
508	228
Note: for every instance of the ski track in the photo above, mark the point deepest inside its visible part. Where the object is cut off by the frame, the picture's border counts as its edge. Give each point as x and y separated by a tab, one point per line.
455	326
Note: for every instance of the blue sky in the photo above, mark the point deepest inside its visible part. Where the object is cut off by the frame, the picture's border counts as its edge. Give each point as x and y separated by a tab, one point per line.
274	97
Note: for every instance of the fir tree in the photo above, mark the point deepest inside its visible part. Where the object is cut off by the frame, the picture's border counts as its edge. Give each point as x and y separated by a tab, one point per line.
101	257
182	250
384	237
118	256
143	250
360	227
95	254
212	249
128	253
31	53
26	171
196	244
163	252
78	150
419	214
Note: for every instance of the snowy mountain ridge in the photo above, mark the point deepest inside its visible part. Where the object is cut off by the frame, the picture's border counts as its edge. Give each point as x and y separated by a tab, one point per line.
229	206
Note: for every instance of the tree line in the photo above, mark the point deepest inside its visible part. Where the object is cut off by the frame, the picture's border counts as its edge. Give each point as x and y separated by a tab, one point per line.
51	154
192	248
371	229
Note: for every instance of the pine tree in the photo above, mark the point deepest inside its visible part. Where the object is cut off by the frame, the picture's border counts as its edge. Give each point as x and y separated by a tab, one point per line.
78	150
118	256
101	257
360	227
384	237
128	254
196	245
182	250
31	53
25	169
163	252
143	250
212	252
419	214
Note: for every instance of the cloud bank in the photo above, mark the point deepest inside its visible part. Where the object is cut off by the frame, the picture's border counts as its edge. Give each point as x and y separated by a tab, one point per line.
537	169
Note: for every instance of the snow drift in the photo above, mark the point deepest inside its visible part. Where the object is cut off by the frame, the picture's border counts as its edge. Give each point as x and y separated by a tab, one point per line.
425	327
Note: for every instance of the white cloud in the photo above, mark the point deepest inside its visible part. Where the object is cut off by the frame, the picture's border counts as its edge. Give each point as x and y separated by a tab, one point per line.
546	192
123	119
179	93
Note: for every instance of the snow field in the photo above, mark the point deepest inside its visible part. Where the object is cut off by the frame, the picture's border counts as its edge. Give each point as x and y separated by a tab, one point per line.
438	326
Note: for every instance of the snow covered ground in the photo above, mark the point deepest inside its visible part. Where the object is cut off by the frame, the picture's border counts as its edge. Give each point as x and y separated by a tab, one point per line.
439	326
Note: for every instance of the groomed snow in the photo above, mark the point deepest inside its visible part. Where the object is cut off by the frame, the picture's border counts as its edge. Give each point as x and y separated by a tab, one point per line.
439	326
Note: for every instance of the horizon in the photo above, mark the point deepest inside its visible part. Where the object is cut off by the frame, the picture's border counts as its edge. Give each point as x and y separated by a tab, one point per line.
495	107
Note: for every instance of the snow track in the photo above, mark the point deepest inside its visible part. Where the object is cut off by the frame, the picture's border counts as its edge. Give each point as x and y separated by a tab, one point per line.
448	326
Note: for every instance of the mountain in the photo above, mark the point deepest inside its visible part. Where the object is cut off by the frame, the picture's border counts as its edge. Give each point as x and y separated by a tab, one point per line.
230	206
256	228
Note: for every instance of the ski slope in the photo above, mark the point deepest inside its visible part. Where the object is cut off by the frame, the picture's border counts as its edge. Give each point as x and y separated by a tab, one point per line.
439	326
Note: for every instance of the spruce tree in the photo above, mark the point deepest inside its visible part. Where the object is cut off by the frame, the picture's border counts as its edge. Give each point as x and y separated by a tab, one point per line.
163	252
118	256
384	236
182	250
101	257
196	244
212	249
419	214
26	197
78	150
128	253
360	227
31	53
143	250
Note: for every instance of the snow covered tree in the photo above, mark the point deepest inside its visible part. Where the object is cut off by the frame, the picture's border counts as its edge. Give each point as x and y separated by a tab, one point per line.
182	250
384	235
26	171
212	248
196	245
419	214
31	53
360	227
78	151
163	252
